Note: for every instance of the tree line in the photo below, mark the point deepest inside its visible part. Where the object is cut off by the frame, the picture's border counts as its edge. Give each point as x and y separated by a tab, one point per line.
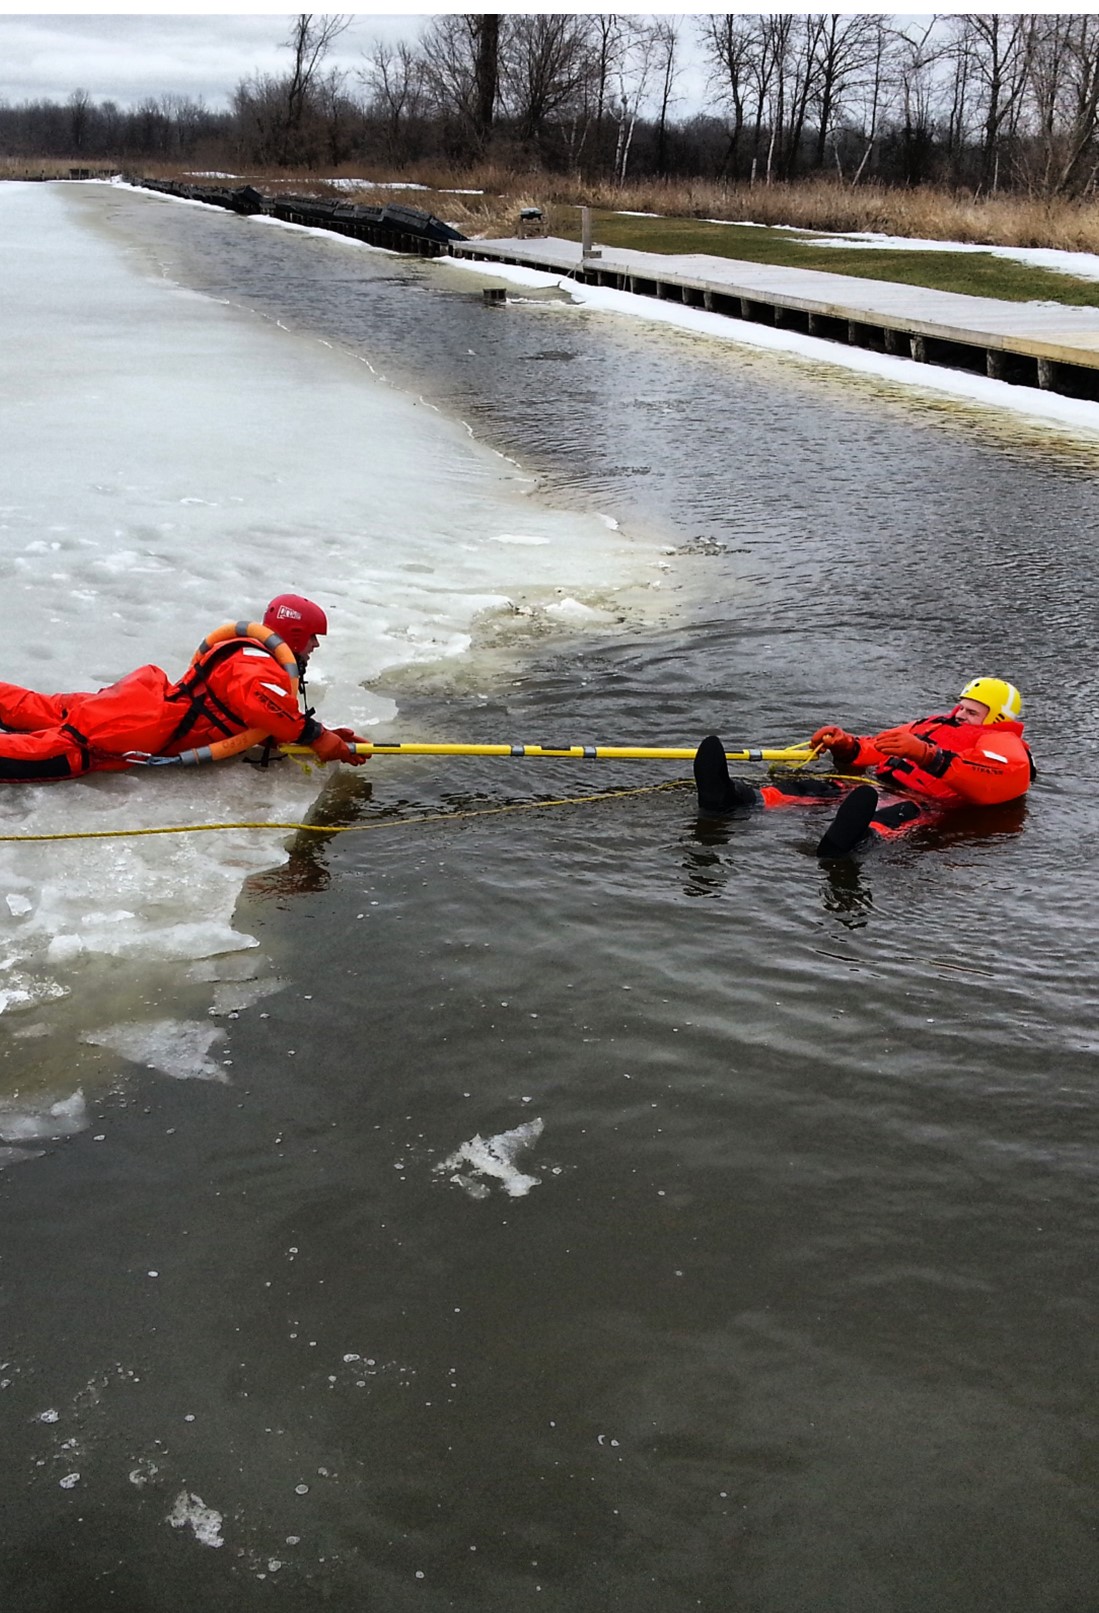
982	102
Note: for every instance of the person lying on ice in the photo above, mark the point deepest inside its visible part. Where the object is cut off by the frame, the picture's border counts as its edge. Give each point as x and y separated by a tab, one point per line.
242	687
975	755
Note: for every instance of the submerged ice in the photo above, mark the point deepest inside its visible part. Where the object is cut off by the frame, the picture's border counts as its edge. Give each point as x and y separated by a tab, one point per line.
170	463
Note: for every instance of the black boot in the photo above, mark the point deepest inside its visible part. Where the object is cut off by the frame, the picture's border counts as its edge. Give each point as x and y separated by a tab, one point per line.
718	794
851	823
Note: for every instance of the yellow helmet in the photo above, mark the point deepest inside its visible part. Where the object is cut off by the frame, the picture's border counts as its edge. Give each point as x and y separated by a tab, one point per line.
1004	702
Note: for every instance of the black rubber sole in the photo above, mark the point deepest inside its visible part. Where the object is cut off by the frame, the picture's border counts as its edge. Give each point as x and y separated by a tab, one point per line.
851	824
718	794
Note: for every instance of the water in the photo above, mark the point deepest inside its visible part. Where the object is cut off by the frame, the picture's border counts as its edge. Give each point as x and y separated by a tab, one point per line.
776	1288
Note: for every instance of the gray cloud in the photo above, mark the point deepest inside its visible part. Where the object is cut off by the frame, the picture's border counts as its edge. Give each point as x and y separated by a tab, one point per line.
128	58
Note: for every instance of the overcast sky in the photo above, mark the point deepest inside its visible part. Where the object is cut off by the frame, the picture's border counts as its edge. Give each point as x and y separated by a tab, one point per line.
127	57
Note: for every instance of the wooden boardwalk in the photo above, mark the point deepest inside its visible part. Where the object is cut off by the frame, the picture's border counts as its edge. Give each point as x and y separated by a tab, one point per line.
1052	346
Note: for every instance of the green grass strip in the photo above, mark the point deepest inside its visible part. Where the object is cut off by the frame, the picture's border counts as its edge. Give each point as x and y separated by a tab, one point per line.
976	274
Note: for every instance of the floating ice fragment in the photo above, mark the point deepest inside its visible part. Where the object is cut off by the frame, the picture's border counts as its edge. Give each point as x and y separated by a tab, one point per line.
494	1157
180	1048
476	1190
18	904
571	610
61	1119
204	1521
18	1156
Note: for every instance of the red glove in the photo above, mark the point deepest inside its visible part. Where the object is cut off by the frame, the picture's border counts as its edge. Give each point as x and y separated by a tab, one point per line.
331	745
844	746
900	742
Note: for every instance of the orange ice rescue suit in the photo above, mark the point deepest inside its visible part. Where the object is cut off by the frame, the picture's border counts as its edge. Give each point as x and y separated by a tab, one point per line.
968	765
972	756
241	687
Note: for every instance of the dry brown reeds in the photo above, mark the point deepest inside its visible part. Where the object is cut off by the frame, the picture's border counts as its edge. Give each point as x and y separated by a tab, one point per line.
485	201
812	204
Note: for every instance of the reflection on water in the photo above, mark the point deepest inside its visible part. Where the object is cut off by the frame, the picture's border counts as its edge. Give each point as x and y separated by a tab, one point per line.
846	894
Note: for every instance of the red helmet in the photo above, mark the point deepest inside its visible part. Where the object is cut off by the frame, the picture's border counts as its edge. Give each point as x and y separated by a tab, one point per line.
296	620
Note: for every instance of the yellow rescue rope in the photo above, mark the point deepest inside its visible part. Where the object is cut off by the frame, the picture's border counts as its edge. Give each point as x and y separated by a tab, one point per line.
349	828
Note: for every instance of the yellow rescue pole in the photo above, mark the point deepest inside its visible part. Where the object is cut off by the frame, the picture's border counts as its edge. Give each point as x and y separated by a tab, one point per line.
589	753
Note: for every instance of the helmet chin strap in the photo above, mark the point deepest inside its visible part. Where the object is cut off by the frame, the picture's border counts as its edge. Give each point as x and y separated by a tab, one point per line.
302	690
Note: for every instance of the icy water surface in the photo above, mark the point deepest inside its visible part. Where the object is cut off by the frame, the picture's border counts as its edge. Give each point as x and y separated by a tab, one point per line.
611	1211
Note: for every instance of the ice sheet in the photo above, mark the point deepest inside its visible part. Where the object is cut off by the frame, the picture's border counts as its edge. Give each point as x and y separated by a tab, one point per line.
170	463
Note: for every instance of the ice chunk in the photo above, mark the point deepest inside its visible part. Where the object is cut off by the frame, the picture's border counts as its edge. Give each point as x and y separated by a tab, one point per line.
572	611
204	1521
61	1119
493	1157
179	1048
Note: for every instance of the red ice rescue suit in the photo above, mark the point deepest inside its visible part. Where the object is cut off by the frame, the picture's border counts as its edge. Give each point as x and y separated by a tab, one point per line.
241	687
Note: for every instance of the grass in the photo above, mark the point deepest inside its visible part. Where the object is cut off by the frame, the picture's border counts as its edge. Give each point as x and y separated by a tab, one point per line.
975	273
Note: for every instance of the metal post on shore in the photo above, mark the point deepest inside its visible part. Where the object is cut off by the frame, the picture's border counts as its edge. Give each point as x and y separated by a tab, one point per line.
586	248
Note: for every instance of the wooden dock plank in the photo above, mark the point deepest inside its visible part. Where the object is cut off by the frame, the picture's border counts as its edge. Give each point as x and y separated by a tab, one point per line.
1059	333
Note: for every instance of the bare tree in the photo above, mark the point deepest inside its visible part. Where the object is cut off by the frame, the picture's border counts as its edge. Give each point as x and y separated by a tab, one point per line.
80	106
460	66
609	42
918	54
547	67
393	76
310	40
998	47
769	65
1063	97
667	70
632	79
874	90
847	48
486	75
729	40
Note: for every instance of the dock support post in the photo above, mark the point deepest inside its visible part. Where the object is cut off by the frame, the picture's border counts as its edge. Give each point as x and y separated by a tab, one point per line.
917	346
895	342
1047	375
708	301
995	364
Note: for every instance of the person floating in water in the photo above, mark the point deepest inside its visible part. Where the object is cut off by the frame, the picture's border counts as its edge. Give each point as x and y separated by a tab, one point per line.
974	755
243	687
